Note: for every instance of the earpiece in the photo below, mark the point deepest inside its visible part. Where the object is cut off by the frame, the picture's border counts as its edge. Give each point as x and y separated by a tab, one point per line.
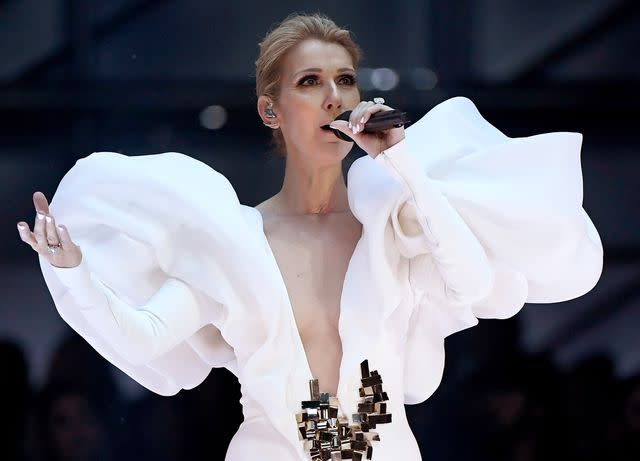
269	111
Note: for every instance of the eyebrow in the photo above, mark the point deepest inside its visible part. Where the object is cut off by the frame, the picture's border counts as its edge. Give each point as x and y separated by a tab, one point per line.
317	69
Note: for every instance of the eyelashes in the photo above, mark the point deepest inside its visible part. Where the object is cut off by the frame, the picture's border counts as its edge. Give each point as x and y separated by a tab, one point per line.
351	79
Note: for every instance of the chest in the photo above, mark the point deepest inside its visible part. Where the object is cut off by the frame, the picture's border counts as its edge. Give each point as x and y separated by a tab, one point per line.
313	253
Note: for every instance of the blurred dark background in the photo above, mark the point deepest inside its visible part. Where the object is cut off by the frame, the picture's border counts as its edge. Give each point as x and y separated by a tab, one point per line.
558	381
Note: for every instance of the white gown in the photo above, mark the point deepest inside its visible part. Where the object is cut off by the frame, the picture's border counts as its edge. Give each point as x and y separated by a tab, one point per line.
460	222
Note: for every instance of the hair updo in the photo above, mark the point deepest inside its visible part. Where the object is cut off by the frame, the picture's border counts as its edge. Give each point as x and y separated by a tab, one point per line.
294	29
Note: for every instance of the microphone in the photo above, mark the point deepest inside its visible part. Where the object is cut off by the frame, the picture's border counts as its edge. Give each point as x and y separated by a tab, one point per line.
379	121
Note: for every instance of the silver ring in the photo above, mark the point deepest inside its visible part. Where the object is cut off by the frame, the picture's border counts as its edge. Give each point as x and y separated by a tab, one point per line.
378	100
54	248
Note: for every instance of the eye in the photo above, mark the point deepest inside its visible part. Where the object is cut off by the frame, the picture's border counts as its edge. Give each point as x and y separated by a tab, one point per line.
304	79
347	78
351	80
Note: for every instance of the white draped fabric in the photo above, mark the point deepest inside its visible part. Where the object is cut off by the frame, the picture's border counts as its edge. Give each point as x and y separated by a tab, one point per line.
460	222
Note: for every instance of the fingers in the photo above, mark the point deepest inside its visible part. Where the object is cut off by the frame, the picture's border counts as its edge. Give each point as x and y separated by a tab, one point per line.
52	234
355	119
372	109
27	236
40	202
44	229
362	112
342	125
63	234
39	231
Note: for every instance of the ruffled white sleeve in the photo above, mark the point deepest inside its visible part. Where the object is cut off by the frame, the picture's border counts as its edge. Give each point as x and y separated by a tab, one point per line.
487	222
137	332
161	237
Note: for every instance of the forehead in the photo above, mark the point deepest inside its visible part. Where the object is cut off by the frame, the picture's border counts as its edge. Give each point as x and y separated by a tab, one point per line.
316	53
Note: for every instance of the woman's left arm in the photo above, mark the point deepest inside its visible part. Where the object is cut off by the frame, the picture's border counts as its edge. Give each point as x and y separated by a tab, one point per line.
485	222
481	216
427	224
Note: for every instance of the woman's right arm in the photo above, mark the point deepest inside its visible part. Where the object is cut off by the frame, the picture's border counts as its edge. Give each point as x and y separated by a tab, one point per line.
138	333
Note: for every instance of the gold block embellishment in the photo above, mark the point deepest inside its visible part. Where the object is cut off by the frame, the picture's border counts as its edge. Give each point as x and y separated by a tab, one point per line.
329	437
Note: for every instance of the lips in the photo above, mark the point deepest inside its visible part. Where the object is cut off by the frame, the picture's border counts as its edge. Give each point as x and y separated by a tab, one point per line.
325	125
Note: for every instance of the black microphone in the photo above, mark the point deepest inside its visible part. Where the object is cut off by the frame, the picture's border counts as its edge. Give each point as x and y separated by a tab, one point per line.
379	121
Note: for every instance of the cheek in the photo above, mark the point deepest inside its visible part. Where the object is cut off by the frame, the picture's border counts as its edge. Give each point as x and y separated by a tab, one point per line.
300	114
352	100
301	104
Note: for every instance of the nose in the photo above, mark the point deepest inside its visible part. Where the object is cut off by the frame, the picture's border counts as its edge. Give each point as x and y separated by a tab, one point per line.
333	101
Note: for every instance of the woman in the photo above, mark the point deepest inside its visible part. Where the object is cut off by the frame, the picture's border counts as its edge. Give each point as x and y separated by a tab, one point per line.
441	224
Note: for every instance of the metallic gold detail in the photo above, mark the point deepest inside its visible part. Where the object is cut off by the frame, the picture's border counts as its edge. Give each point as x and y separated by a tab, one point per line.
327	436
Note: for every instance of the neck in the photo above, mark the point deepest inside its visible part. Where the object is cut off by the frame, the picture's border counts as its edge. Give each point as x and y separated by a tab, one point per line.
313	189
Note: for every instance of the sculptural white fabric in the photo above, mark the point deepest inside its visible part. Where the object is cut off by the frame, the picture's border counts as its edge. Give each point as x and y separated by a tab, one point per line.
460	222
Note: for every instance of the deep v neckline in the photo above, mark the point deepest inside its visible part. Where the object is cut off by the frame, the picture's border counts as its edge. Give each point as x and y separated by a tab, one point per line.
291	313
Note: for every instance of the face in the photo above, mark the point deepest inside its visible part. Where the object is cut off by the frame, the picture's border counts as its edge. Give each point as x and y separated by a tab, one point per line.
312	98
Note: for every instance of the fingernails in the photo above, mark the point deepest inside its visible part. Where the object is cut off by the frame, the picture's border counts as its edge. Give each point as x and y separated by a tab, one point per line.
60	228
40	215
362	119
20	226
48	218
350	125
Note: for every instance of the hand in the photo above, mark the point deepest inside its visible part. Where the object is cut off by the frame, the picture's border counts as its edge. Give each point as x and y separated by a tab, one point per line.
371	143
45	233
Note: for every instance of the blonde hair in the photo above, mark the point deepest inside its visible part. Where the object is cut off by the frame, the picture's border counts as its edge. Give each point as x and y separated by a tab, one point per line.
292	30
